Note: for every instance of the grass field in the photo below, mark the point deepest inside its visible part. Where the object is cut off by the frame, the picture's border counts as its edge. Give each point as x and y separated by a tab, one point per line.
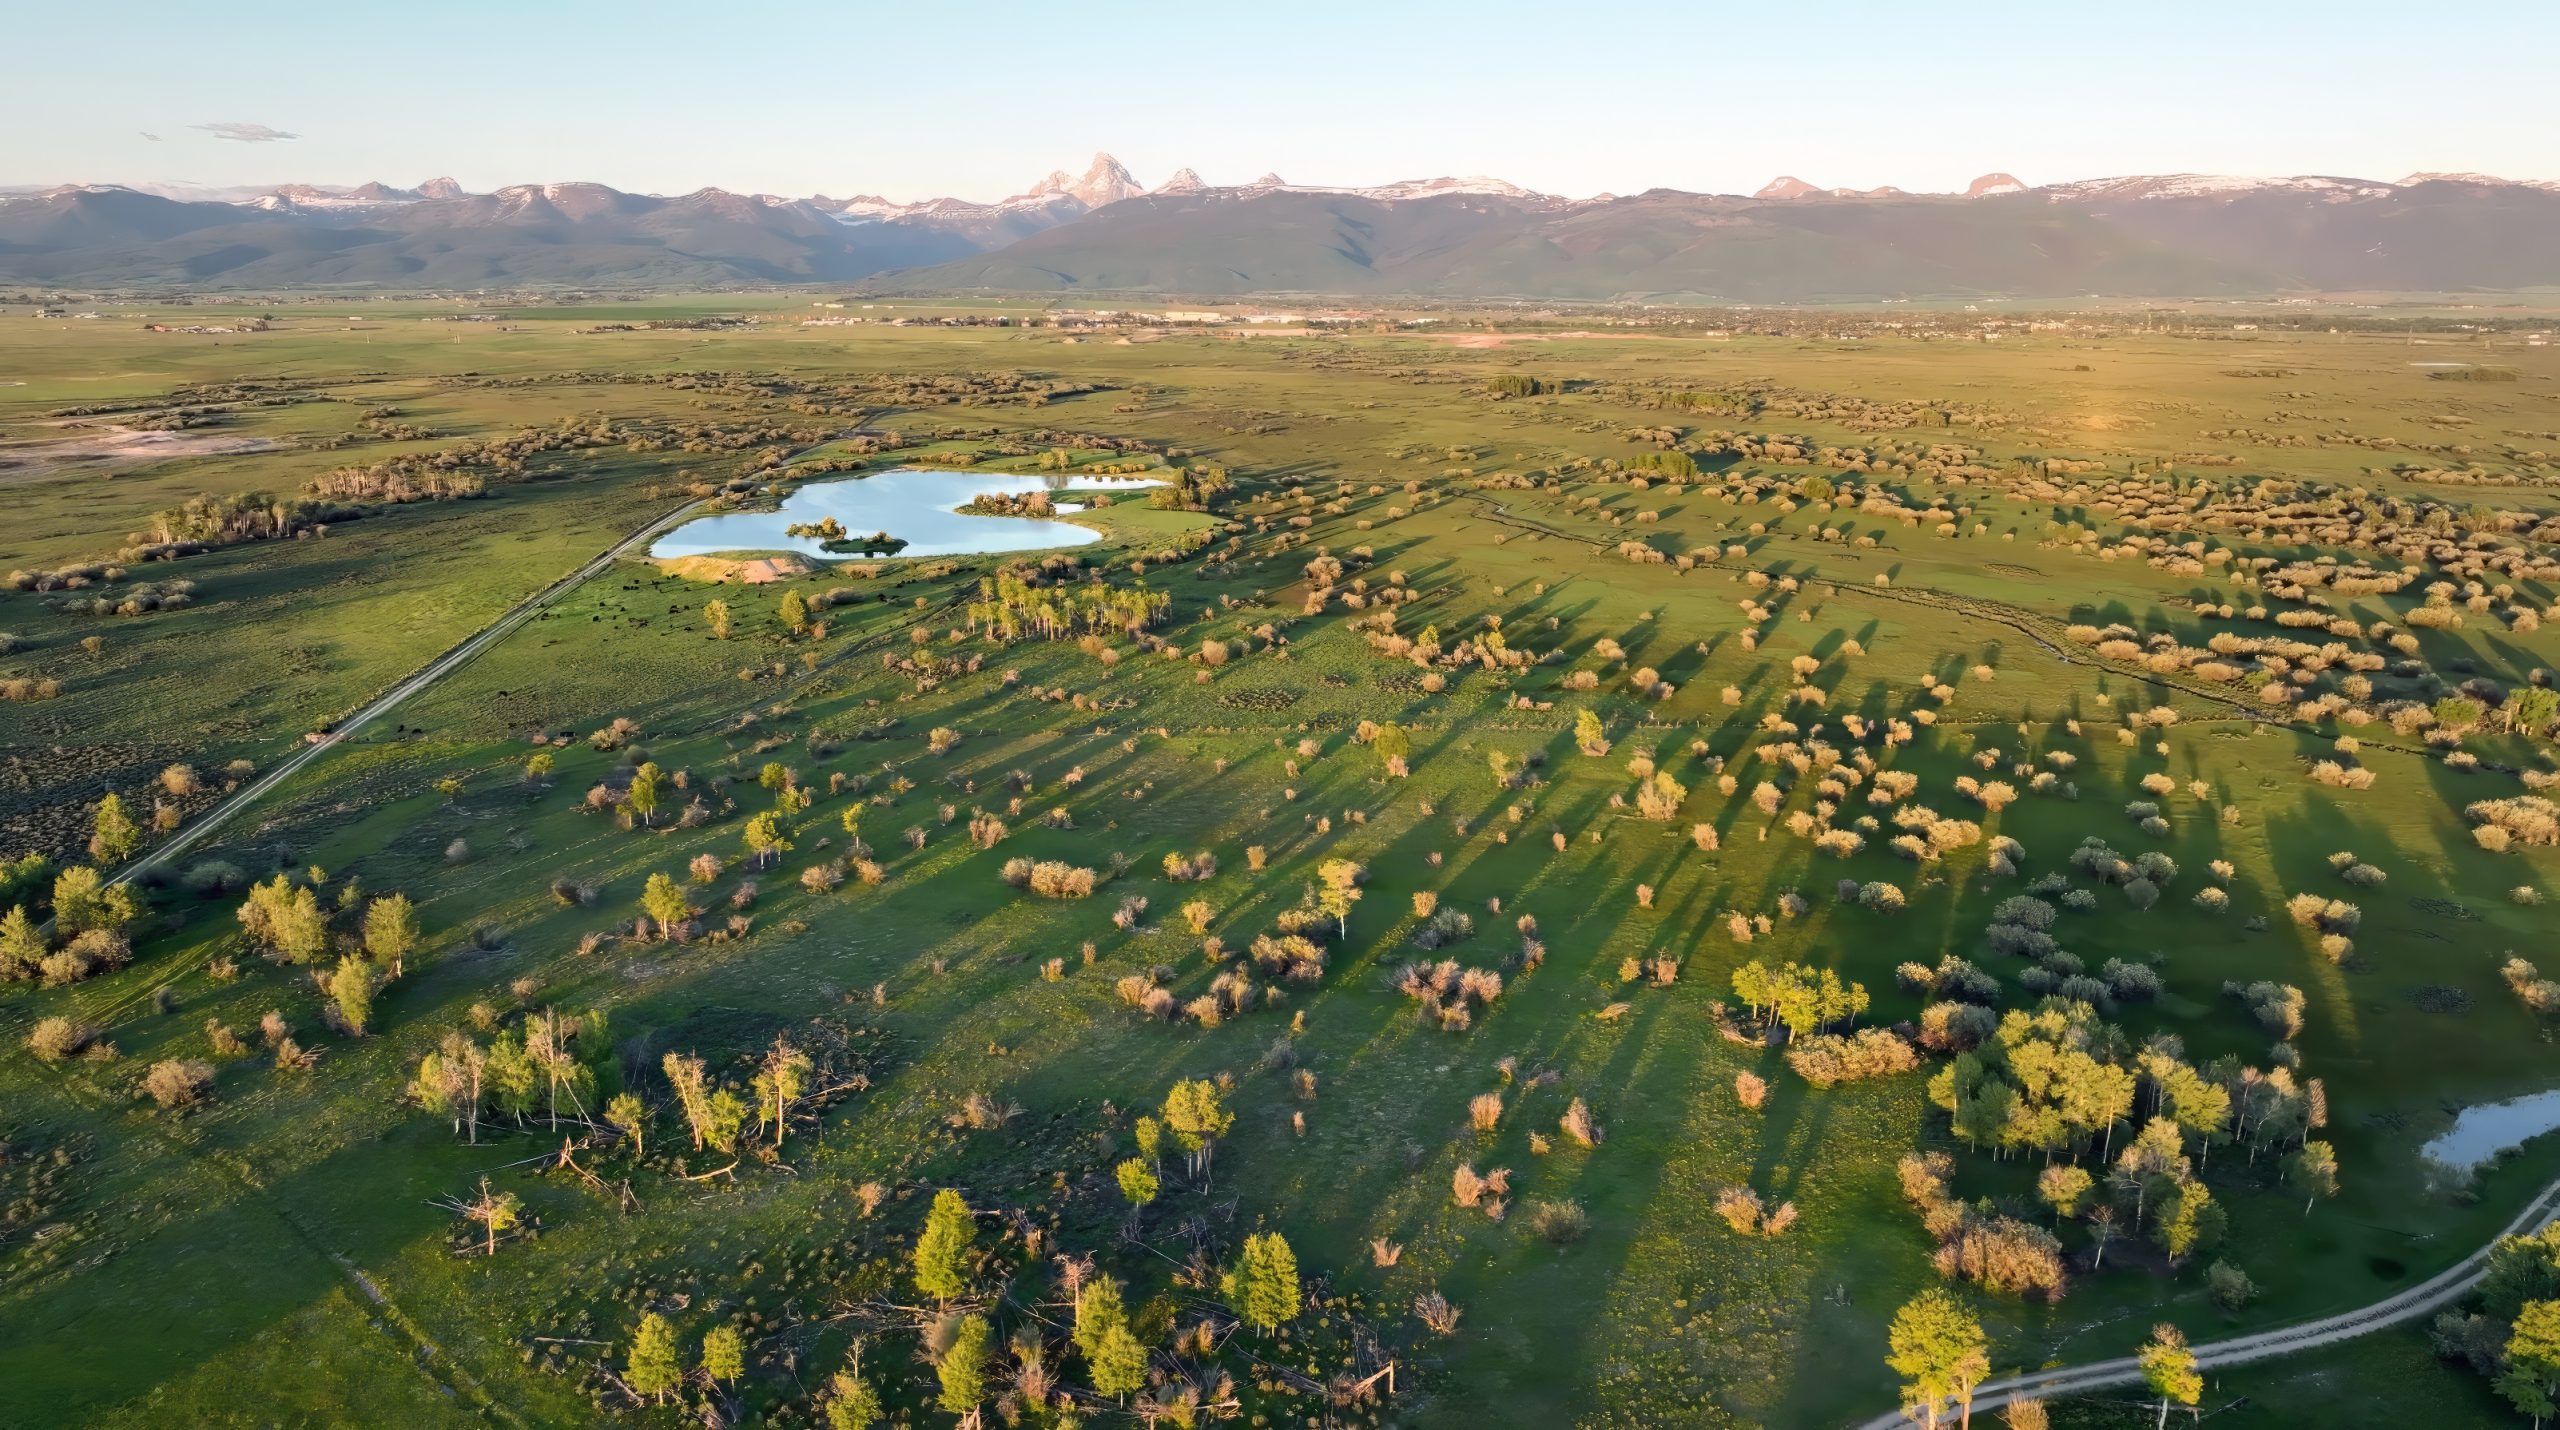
279	1252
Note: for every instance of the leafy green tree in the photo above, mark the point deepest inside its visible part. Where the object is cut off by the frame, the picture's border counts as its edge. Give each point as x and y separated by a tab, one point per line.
1197	1119
2521	1269
2531	1380
646	789
652	1370
1137	1181
351	987
391	932
851	1403
1938	1349
114	836
779	1082
2530	709
2169	1368
1391	744
1120	1365
717	613
1262	1289
630	1117
1099	1309
723	1115
22	946
2190	1220
1337	889
2313	1171
538	767
795	612
2064	1186
286	917
764	838
942	1250
963	1368
724	1355
664	902
1150	1135
1589	734
1117	1359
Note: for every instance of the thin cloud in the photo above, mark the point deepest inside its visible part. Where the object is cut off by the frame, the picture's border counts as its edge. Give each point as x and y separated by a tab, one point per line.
245	133
147	134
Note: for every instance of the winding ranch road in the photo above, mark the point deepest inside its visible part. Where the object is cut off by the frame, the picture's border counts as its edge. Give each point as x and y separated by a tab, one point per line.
389	700
2436	1293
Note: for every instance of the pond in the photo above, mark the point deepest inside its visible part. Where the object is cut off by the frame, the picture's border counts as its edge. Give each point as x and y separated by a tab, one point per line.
2481	1132
912	503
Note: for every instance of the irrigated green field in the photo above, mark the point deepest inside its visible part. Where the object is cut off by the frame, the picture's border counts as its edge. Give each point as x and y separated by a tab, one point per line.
2233	606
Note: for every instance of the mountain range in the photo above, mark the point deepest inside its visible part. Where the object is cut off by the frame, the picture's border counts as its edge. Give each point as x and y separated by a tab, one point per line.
1102	232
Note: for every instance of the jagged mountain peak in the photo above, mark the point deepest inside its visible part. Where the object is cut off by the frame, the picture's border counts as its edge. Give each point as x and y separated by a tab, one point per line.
1184	181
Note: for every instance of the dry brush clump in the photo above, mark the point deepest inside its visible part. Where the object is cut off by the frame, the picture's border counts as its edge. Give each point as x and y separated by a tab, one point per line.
1050	878
2000	1253
2534	991
2498	824
1827	1059
1447	991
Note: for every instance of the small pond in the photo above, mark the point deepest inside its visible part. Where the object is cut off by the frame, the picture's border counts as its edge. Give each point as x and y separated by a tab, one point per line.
919	505
2481	1132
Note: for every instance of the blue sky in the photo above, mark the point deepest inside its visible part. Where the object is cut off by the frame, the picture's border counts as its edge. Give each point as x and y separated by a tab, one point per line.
977	99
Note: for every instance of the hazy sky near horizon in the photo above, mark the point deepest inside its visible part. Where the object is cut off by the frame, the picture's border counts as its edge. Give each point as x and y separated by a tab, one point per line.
979	99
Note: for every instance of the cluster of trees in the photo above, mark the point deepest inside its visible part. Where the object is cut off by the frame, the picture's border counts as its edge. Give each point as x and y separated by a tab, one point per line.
287	920
2511	1332
547	1062
2060	1081
91	922
1011	606
1799	998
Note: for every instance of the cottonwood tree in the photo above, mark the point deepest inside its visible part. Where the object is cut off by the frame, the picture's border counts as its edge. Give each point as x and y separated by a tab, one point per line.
2531	1380
764	838
628	1115
1337	889
114	836
284	918
717	613
795	612
686	1075
1938	1349
1197	1119
1137	1181
451	1082
2313	1171
2169	1368
663	900
550	1041
391	932
351	987
779	1083
647	786
496	1213
942	1248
